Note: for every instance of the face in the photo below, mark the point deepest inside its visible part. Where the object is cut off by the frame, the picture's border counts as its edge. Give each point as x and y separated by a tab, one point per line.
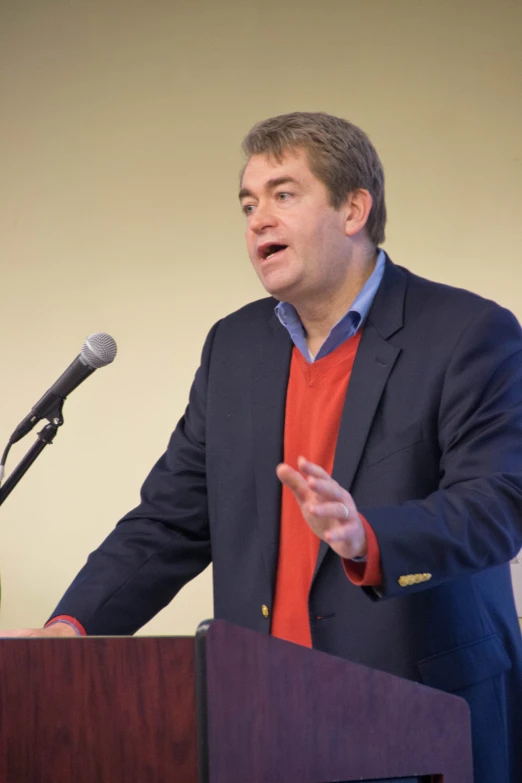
296	241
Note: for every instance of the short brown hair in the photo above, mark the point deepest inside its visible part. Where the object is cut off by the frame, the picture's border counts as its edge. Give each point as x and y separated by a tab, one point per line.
339	154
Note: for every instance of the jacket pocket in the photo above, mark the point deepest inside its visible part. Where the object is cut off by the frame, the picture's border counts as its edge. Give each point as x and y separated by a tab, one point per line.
394	443
464	666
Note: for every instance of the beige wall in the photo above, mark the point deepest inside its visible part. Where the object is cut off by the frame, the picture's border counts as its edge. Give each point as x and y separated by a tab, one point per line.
120	130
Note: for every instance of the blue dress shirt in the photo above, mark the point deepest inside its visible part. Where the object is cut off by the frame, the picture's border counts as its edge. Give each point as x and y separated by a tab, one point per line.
346	327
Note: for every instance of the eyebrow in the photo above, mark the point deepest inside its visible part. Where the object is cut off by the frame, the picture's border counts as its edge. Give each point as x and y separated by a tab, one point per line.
270	185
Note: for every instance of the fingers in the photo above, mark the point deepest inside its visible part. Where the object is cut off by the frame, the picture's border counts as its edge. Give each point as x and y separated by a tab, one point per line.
293	480
348	540
311	469
327	489
321	482
311	476
342	533
330	511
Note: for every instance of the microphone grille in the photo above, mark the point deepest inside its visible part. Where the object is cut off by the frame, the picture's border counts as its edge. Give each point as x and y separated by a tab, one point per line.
98	350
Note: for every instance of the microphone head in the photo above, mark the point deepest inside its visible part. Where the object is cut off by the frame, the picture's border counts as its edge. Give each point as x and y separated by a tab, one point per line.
98	350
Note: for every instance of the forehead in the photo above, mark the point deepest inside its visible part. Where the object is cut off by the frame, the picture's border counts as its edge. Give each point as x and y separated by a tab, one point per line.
261	169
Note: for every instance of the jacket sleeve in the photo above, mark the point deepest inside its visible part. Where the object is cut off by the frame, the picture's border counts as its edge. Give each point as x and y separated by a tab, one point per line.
474	519
160	545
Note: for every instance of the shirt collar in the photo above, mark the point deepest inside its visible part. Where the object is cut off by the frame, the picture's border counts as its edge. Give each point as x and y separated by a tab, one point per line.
346	327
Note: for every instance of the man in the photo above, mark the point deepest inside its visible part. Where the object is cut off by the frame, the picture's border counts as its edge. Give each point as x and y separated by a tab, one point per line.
393	406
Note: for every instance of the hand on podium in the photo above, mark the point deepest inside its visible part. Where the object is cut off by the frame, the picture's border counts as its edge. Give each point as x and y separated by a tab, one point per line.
57	629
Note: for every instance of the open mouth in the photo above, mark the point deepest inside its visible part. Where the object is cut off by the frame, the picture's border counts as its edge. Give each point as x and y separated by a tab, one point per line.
269	251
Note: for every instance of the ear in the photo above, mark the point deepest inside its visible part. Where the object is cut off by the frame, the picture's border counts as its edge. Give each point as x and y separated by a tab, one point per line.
357	208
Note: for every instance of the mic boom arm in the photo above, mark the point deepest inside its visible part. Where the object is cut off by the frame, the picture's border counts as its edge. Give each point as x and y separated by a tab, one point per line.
44	438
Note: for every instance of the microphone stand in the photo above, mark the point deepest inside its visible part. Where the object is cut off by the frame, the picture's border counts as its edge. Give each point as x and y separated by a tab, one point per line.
45	437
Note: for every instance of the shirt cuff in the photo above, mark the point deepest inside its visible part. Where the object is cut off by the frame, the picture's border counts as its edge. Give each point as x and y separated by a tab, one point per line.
369	573
64	618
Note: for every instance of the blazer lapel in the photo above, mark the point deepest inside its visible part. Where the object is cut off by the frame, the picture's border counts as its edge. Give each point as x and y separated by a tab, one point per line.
373	364
269	383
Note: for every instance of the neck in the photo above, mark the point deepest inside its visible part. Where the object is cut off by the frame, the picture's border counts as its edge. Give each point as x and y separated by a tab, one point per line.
319	314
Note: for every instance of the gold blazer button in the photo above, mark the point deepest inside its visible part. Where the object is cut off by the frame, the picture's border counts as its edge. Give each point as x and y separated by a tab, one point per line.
265	611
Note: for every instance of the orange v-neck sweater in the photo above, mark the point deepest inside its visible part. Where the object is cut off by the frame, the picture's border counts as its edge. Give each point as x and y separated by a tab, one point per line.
314	403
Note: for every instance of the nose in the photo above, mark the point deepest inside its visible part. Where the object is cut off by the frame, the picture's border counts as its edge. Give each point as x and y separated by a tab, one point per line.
262	218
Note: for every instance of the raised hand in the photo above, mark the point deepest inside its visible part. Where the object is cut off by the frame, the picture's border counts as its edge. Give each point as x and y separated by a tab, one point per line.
327	508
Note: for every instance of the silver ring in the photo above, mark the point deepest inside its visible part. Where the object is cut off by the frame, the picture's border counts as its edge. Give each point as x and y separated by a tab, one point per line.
346	513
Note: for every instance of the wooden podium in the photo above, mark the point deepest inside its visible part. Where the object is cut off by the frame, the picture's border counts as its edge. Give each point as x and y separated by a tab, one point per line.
228	706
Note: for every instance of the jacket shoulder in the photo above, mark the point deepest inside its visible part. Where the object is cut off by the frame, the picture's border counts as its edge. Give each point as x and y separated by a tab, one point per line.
422	290
449	307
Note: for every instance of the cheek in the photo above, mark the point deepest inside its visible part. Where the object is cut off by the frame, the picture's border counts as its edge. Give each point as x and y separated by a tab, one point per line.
250	243
331	238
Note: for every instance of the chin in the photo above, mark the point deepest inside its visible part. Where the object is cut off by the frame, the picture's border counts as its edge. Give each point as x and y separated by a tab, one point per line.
281	294
279	289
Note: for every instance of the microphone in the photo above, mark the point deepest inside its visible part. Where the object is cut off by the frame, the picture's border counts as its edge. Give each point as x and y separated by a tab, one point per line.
98	350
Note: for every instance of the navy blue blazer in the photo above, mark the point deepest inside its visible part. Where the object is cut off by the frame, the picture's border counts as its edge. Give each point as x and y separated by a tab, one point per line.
430	446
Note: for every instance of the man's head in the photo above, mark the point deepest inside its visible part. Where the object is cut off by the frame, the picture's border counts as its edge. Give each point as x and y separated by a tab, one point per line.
312	192
339	154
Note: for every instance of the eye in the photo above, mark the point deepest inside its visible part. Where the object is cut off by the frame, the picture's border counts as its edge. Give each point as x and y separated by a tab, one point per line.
247	209
283	196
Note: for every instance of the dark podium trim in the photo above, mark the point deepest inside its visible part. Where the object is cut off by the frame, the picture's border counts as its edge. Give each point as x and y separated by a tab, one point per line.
279	712
125	709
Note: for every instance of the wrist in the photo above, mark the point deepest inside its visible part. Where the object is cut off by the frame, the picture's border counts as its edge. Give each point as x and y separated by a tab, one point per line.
63	625
61	629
